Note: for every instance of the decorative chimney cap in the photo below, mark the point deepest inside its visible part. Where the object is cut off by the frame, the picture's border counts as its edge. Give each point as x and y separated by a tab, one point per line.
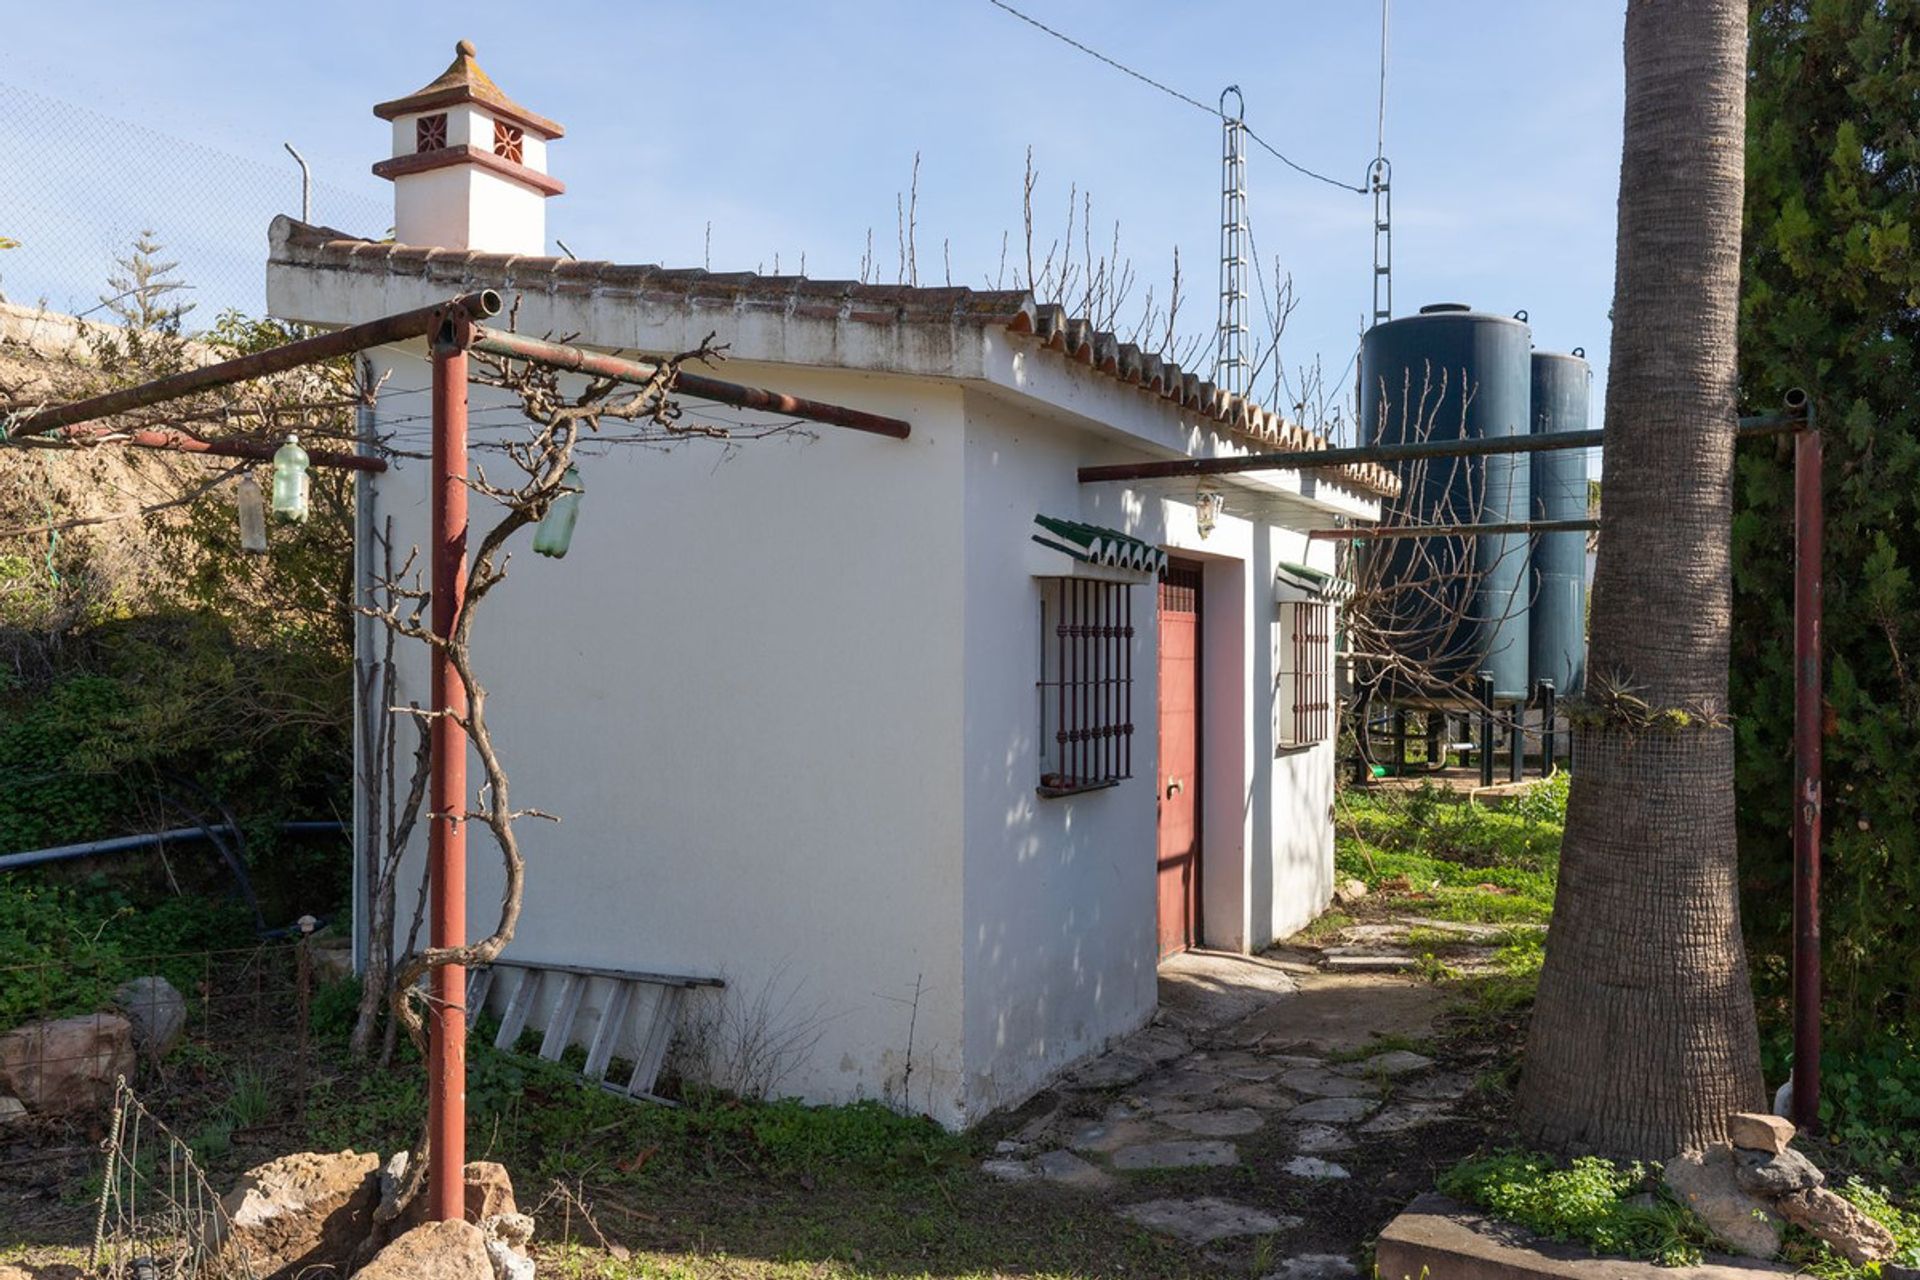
464	81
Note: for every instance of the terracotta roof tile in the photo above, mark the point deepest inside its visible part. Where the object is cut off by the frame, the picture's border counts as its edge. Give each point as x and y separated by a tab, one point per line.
1013	309
464	81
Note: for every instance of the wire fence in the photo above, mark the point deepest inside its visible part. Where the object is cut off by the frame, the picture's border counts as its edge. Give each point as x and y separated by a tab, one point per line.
82	185
219	1042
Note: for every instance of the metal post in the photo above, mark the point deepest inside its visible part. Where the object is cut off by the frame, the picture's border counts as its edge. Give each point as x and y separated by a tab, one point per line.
1808	515
1548	713
1436	739
447	841
1399	740
1486	729
1517	743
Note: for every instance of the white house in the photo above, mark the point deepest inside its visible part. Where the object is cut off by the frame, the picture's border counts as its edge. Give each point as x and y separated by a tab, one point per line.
929	750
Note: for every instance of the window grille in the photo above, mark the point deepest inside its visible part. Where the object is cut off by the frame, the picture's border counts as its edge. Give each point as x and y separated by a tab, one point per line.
1086	684
507	141
1303	675
430	132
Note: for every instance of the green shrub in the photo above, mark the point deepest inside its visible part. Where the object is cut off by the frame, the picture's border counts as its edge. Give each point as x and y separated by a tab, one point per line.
1611	1208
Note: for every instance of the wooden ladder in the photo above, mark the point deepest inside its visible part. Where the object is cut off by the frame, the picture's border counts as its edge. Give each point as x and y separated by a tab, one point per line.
649	1003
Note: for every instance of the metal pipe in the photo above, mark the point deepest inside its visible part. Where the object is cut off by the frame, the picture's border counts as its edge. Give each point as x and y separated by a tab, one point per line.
306	183
1548	712
1486	729
1378	532
446	832
1408	451
180	442
1808	518
639	372
122	844
326	346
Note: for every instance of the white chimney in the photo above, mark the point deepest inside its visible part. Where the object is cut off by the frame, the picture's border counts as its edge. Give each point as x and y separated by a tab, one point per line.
469	165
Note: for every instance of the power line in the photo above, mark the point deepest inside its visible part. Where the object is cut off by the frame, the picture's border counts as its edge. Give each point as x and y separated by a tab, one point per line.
1171	92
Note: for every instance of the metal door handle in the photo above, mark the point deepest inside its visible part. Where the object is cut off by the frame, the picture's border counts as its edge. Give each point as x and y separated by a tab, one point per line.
1174	787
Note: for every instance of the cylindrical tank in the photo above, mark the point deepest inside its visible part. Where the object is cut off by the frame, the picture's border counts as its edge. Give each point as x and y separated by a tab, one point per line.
1457	606
1557	620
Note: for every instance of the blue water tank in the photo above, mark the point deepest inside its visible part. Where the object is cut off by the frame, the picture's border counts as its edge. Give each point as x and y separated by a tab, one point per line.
1459	605
1557	620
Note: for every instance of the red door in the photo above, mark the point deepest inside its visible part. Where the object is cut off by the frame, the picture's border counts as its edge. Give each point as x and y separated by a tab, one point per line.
1179	778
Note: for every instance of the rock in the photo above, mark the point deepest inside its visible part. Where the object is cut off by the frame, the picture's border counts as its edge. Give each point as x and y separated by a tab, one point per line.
1894	1271
1315	1266
1069	1169
1775	1175
1110	1135
1204	1220
1321	1138
1751	1131
1231	1123
157	1011
67	1065
1705	1183
507	1263
1319	1082
1366	960
1350	891
1331	1110
1176	1155
1394	1062
299	1212
1411	1115
1008	1147
515	1230
1447	1086
1846	1229
489	1192
12	1111
1110	1071
1312	1167
433	1251
1007	1170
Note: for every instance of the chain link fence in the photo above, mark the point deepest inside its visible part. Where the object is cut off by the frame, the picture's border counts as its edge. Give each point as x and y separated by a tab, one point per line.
81	186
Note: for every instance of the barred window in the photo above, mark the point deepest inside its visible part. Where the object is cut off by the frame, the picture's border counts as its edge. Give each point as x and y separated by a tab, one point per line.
1303	674
1085	688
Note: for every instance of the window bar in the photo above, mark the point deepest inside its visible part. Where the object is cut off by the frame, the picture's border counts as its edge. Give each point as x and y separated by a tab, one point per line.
1079	707
1060	686
1128	686
1113	687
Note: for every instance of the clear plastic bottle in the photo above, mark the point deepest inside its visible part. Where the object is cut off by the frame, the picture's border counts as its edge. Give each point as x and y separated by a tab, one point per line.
252	507
290	481
555	533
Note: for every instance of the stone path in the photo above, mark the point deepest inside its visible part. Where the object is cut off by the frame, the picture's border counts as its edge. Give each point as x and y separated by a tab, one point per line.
1272	1051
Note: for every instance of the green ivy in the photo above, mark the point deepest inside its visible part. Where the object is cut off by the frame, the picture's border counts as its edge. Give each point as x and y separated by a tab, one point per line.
1831	303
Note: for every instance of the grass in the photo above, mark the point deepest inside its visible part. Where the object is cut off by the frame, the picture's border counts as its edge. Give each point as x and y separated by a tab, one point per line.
1611	1208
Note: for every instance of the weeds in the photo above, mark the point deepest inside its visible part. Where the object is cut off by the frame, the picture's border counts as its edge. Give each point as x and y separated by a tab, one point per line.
1611	1208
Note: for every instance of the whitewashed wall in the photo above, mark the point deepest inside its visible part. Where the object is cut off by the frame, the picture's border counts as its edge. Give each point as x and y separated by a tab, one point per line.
741	689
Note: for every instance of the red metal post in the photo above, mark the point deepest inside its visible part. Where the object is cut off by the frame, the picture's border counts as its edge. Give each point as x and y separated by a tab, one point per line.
447	840
1808	715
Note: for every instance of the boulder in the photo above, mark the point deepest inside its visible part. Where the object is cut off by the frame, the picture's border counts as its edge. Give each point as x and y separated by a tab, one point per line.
298	1212
507	1263
157	1011
433	1251
1835	1220
515	1230
1705	1183
1350	891
66	1065
1775	1175
489	1194
12	1112
1752	1131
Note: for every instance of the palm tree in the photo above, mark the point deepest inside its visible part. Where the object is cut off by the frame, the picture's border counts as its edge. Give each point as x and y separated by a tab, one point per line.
1643	1038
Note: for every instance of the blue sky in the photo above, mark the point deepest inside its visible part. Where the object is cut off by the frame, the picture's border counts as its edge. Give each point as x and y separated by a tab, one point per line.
792	126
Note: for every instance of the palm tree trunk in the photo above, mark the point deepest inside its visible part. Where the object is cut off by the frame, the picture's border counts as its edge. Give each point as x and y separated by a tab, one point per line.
1643	1038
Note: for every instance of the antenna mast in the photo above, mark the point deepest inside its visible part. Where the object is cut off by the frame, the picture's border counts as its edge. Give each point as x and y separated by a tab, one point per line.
1230	368
1380	183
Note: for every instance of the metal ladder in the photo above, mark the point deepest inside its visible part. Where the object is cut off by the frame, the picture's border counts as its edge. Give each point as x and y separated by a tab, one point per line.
648	1002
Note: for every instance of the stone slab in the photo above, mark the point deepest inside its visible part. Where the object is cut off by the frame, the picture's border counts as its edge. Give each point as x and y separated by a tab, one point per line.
1102	1136
1315	1266
1339	1012
1316	1168
1320	1082
1331	1110
1176	1155
1447	1086
1369	962
1321	1139
1441	1239
1205	1220
1110	1071
1069	1169
1231	1122
1399	1119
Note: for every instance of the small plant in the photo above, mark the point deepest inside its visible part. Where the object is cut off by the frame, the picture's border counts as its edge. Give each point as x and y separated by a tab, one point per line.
1611	1208
251	1101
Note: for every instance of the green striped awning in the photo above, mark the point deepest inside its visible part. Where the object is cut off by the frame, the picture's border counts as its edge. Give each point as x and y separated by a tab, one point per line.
1094	545
1296	583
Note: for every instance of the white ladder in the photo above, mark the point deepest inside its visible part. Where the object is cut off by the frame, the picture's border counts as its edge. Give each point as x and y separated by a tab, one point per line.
648	1002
